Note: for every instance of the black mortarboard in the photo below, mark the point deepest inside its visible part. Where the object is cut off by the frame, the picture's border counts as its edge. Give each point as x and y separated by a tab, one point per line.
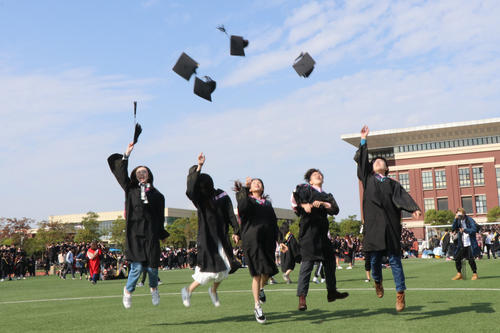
238	44
185	66
204	89
138	128
304	64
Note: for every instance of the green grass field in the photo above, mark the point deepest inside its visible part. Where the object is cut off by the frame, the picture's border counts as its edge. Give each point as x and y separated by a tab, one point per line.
434	304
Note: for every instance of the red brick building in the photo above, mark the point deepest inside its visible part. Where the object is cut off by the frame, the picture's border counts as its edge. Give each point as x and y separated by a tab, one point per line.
442	166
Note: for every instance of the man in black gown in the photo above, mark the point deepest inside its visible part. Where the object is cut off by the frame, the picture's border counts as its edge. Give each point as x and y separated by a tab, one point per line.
313	205
383	201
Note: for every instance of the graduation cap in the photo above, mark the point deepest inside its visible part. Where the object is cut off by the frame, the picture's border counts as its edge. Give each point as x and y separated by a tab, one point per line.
138	128
185	66
238	43
304	64
204	89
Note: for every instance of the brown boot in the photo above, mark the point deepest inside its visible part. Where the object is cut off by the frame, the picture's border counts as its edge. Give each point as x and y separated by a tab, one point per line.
474	276
400	301
457	277
302	303
379	289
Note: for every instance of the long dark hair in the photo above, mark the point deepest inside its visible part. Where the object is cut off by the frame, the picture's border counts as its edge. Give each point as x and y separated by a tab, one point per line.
133	176
205	187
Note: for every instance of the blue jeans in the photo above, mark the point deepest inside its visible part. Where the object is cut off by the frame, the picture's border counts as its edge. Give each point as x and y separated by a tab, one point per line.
136	269
396	267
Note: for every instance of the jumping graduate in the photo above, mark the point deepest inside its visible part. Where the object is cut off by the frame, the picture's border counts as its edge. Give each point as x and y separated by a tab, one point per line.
383	201
145	216
215	253
313	205
290	252
259	234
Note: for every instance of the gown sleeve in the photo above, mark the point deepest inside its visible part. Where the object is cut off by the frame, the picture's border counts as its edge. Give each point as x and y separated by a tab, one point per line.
191	183
334	210
402	200
162	233
118	167
364	167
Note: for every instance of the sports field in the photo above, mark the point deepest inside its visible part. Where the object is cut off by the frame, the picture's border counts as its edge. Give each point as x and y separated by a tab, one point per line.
434	304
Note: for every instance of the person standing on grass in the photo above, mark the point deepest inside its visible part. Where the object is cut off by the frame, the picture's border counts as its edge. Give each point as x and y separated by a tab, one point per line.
313	206
259	234
94	262
383	200
466	243
145	217
215	213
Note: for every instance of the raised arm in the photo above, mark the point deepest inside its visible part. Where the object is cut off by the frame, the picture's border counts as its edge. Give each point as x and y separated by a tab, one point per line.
192	178
119	166
361	157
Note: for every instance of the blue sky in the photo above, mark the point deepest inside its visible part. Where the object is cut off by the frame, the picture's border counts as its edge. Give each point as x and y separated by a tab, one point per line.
69	72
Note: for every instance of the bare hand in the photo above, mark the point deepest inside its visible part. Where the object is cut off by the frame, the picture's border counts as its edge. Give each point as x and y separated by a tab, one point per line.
327	205
129	149
248	182
307	207
283	248
201	159
317	204
416	214
236	239
364	132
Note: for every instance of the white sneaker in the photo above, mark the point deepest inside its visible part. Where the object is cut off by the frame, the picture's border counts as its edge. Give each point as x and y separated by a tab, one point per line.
259	315
315	280
155	297
186	297
127	298
322	280
214	297
140	284
349	267
339	267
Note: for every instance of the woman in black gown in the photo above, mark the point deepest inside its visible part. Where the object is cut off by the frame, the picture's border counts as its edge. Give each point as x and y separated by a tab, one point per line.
259	234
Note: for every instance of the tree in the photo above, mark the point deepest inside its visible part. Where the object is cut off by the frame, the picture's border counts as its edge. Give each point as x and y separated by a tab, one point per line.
191	229
14	230
177	237
90	229
54	232
349	226
118	232
439	217
494	214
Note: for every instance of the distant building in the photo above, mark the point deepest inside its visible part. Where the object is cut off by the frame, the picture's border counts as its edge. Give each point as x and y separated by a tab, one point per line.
442	166
106	219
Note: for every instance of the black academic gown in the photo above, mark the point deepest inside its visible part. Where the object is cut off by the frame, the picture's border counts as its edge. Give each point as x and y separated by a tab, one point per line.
382	206
145	222
259	233
213	226
313	227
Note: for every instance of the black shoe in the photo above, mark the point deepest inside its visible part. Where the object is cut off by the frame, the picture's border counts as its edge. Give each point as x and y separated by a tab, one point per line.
262	296
334	295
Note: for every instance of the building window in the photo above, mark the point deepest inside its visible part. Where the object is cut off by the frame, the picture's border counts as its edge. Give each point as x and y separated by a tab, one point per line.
464	177
478	174
404	180
440	178
467	204
427	180
442	203
481	204
429	204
